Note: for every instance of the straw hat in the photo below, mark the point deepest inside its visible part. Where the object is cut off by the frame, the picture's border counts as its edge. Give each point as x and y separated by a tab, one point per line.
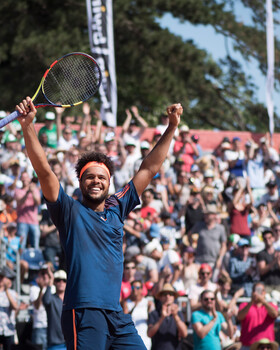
167	287
274	344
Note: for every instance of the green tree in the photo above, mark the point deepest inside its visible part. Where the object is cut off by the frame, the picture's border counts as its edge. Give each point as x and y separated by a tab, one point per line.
154	67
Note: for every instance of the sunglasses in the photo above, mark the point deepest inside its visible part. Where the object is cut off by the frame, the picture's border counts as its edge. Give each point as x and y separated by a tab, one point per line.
263	347
208	299
130	267
204	273
57	280
136	287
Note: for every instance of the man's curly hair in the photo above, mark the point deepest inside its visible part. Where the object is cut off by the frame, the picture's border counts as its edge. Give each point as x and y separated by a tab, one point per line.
93	157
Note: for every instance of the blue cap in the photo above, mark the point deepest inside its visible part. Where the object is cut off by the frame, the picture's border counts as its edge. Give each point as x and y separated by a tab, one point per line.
164	240
236	139
242	242
154	231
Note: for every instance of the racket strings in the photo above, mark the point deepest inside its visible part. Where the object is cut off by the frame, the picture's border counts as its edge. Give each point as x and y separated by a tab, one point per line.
73	79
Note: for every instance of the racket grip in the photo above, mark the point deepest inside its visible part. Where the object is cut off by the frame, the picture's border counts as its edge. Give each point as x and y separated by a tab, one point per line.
9	118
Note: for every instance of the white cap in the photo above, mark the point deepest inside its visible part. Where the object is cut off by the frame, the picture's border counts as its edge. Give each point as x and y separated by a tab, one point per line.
145	145
184	128
50	116
209	173
60	274
3	114
150	247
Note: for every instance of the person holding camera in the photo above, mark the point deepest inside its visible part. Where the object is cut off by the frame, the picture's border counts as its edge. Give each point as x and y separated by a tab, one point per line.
257	318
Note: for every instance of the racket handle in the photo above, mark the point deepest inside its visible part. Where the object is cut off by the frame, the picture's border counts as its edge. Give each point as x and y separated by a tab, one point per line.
9	118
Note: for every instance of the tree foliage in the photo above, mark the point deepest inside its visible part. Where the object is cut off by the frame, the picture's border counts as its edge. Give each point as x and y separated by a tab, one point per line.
154	67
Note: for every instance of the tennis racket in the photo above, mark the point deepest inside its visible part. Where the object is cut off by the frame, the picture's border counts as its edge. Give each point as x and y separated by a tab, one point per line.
68	82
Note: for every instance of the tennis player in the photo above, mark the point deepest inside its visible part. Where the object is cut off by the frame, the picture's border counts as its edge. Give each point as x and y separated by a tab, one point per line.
91	234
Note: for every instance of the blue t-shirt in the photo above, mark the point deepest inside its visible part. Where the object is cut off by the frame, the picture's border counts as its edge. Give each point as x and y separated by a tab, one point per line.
212	339
92	242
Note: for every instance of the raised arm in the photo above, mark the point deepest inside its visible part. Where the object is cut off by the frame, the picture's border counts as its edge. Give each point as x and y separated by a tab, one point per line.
48	180
152	163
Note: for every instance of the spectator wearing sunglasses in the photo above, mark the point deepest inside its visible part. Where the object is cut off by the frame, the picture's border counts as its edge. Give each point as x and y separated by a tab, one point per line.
139	307
204	283
257	318
264	344
207	323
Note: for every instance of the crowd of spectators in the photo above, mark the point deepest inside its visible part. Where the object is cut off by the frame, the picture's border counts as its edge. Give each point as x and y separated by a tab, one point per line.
207	228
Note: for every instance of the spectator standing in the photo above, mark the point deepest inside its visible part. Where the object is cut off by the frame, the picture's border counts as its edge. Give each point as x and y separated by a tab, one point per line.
185	148
242	267
139	307
204	283
8	306
50	129
53	304
211	245
166	324
129	272
130	131
257	318
28	199
39	315
207	323
269	263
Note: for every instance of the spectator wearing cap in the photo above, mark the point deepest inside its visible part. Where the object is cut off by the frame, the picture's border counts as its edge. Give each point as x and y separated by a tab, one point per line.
204	283
242	267
50	129
185	148
257	317
139	307
166	324
269	262
53	304
146	267
208	323
195	139
12	149
264	344
145	147
130	130
126	172
168	229
211	245
8	307
235	158
272	194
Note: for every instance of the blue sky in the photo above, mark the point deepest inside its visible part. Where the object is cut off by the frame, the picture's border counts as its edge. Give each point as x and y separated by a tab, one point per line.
205	37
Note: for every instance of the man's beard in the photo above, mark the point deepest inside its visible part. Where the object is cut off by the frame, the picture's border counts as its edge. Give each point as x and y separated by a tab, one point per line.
97	200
